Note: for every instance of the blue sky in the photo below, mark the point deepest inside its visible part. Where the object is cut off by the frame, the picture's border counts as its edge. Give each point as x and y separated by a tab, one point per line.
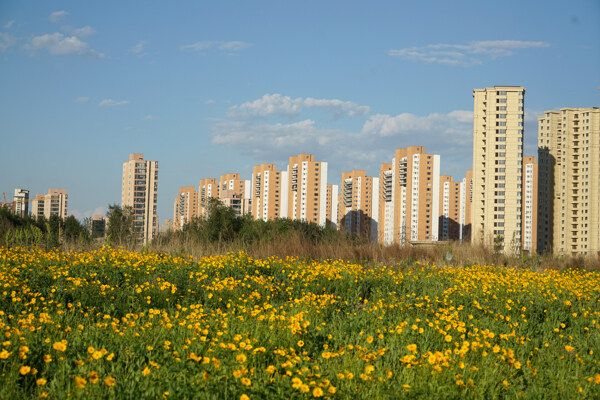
208	88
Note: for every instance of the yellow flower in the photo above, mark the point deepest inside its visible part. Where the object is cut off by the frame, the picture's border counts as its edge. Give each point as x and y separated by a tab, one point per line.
246	382
597	379
47	358
317	392
60	346
569	348
241	358
505	383
80	382
244	397
24	370
370	339
110	356
41	382
4	354
94	377
270	369
517	365
369	369
109	381
97	355
90	350
448	338
332	389
412	347
304	388
146	371
300	343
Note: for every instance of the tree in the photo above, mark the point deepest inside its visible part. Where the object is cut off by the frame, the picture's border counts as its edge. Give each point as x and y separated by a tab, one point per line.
120	230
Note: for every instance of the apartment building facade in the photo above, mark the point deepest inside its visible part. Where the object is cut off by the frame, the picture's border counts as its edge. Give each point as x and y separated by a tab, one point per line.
466	201
208	189
139	190
21	202
332	206
53	203
569	175
185	207
409	197
530	204
359	204
450	208
269	192
235	193
498	129
307	189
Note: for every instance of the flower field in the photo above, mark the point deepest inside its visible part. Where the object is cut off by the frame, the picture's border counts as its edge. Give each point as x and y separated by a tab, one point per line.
117	324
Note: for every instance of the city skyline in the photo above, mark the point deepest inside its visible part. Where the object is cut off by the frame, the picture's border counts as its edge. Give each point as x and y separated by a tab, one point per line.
209	89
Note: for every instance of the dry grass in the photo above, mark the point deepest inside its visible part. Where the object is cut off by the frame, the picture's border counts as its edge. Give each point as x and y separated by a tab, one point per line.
453	253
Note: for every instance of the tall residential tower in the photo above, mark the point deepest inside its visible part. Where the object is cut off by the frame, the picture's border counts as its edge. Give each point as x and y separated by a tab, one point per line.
498	121
139	190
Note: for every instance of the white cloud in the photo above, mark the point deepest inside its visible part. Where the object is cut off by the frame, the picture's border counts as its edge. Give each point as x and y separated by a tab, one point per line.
216	45
9	24
149	117
58	44
82	99
465	55
139	48
85	31
277	104
58	16
449	135
112	103
6	41
80	215
209	101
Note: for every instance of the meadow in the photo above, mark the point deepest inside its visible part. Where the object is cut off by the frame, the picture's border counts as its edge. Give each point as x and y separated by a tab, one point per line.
118	324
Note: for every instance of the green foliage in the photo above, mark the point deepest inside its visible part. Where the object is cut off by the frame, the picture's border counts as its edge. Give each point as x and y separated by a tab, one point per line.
120	231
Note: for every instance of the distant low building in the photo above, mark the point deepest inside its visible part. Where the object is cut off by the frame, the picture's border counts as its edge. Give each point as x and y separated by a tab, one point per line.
98	226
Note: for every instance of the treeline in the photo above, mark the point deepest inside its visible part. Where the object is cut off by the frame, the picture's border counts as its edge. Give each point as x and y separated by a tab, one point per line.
224	227
40	231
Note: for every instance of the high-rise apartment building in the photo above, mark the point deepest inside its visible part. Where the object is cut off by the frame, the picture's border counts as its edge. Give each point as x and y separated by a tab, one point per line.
359	204
498	123
332	205
269	192
530	204
307	189
235	193
21	202
569	181
409	197
466	200
53	203
139	190
207	189
185	206
450	208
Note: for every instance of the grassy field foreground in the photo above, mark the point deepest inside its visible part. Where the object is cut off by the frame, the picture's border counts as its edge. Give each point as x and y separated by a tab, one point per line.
117	324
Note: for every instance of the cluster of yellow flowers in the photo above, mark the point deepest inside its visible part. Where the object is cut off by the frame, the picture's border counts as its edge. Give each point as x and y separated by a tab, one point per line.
112	323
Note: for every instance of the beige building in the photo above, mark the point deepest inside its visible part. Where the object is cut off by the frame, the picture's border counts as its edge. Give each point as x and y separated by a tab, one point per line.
409	197
498	122
207	189
359	204
307	189
569	176
139	190
450	208
235	193
530	204
53	203
185	206
269	194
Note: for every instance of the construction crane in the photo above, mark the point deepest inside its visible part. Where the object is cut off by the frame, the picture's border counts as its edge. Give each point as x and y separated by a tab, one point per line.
12	204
